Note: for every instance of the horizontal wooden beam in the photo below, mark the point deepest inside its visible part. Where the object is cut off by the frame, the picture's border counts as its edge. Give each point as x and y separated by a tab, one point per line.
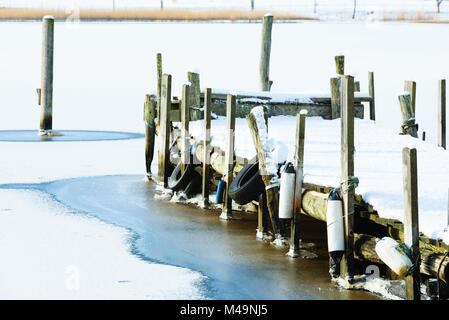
290	98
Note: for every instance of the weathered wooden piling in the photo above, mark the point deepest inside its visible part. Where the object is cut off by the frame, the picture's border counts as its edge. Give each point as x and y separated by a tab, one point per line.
262	214
207	145
347	172
340	65
229	156
164	131
195	91
410	86
372	105
38	91
159	86
271	187
408	116
264	67
335	87
299	164
149	115
46	93
411	229
185	118
335	97
442	113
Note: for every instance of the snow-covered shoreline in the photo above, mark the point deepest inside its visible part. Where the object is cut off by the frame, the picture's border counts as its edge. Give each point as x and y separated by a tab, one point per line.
49	253
77	257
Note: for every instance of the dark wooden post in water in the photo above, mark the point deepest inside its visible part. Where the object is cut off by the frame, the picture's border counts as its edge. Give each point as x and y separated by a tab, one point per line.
185	117
335	85
299	163
206	147
442	113
408	116
410	86
262	211
347	172
372	106
159	85
411	230
229	155
271	187
47	74
149	115
264	68
164	132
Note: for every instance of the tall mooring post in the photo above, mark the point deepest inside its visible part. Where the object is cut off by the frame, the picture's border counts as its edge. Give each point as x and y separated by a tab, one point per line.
229	155
410	86
340	65
262	214
164	132
46	92
299	164
149	114
335	86
372	105
185	119
207	146
195	91
442	113
159	86
408	115
411	229
347	173
271	186
264	67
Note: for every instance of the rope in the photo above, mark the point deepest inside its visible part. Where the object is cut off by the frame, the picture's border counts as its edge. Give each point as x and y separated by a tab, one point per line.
272	185
175	140
274	182
411	255
352	182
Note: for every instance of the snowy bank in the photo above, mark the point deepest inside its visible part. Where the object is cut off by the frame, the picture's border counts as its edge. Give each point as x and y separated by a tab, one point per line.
49	253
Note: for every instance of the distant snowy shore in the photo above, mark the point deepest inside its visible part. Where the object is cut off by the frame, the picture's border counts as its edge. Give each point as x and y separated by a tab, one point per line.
319	9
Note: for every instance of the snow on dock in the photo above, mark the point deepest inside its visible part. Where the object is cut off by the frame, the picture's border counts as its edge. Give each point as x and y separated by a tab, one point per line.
378	163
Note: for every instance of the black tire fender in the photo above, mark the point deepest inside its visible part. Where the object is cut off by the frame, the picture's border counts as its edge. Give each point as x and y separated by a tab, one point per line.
247	184
194	186
178	181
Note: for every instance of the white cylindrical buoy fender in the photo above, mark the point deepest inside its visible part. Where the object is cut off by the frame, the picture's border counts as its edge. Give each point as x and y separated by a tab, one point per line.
391	253
287	192
335	231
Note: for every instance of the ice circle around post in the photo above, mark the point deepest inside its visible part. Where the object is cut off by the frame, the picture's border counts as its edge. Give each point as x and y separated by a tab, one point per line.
66	136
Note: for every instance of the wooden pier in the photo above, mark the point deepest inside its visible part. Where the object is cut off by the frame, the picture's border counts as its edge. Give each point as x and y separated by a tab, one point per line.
362	223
